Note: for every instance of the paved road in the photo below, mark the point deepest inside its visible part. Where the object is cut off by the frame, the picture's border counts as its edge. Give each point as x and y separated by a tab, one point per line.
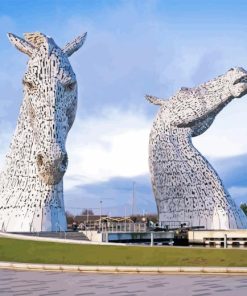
80	284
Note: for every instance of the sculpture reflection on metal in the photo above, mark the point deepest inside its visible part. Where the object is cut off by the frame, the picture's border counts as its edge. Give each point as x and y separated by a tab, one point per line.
31	185
186	187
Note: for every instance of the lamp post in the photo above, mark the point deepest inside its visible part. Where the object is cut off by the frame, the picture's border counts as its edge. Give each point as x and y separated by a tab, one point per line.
87	215
125	216
100	214
133	198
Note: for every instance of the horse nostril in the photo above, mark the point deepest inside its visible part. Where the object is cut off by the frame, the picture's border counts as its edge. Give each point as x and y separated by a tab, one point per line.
40	159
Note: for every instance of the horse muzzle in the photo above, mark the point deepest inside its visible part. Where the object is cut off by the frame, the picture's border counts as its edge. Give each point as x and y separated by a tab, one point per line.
52	169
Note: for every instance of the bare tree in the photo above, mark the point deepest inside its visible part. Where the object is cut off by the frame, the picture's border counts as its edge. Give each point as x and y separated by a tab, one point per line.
70	217
87	212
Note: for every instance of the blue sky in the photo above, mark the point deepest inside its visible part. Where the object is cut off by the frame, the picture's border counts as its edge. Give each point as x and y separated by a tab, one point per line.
133	48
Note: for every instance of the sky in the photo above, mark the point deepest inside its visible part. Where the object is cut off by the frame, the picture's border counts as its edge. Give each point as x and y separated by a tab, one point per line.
133	48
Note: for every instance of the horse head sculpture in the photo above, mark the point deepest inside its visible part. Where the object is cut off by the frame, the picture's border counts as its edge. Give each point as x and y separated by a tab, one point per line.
197	107
50	98
31	185
186	187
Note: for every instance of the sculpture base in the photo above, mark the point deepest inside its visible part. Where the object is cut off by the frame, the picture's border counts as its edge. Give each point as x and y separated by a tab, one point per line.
26	220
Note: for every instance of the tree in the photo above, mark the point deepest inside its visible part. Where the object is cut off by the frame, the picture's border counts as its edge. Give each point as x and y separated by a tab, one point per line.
87	212
70	217
244	208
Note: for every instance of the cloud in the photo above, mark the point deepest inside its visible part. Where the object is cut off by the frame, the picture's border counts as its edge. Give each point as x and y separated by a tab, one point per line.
239	194
129	54
113	144
116	196
227	136
238	191
132	49
232	170
116	193
233	173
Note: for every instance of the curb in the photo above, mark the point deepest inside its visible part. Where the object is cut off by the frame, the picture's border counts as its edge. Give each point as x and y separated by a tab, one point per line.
124	269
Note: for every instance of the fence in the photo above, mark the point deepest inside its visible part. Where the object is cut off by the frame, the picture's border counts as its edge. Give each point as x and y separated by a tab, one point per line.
115	227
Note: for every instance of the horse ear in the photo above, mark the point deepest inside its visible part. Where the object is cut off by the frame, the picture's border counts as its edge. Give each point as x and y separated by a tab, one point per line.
21	44
154	100
74	45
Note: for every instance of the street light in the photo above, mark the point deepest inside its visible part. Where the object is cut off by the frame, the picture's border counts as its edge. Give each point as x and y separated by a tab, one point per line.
133	197
100	214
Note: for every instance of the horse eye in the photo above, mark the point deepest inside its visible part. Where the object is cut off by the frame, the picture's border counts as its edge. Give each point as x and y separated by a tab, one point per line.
29	85
70	86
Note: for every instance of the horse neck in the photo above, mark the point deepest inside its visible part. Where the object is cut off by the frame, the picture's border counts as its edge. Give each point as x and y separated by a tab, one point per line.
22	146
171	144
170	139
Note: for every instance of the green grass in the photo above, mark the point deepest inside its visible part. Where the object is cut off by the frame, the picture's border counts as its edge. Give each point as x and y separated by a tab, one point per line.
57	253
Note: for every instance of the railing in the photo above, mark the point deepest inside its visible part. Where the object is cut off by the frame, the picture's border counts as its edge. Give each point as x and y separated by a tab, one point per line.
173	224
124	227
114	227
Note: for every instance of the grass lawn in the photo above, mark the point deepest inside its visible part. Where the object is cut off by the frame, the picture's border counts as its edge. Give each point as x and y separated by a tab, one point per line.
58	253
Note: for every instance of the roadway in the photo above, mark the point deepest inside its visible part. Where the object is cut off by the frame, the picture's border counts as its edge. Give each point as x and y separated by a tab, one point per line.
44	283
